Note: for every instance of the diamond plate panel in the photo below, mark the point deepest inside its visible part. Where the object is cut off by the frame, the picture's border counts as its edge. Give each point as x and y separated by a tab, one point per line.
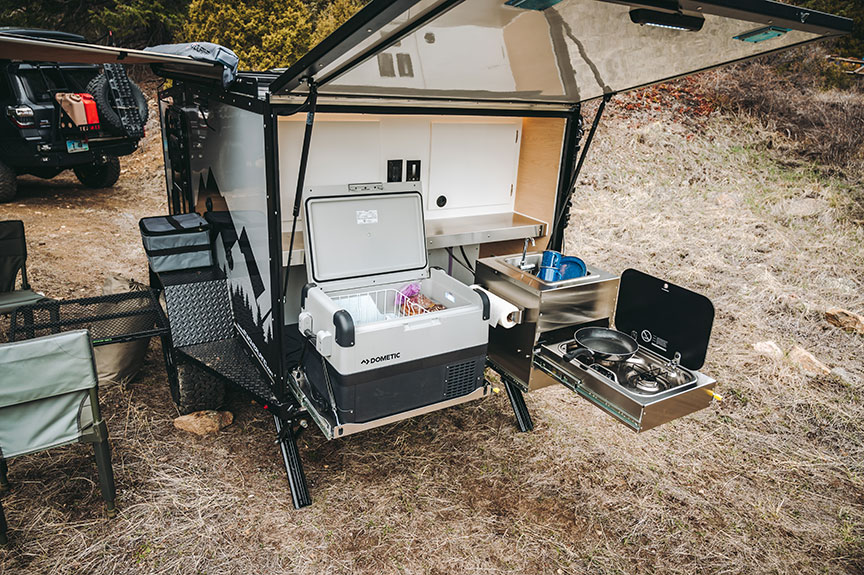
199	312
229	359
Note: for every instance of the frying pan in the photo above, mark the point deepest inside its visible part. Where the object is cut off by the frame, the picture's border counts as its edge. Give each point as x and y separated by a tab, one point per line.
604	344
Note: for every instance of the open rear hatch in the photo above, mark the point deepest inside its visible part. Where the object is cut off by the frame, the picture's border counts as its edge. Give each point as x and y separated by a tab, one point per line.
540	53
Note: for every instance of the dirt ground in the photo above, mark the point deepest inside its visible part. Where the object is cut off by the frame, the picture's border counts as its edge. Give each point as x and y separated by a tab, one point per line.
768	481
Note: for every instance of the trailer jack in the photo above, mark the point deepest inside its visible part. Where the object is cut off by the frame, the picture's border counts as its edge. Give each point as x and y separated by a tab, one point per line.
287	440
517	401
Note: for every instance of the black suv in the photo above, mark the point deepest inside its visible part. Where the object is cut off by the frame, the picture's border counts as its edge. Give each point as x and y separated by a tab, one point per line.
36	135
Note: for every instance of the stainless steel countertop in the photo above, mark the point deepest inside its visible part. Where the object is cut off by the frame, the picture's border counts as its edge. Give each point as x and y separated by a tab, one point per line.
484	229
449	232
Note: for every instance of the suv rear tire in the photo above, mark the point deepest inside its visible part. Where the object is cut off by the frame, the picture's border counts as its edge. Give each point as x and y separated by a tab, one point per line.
101	92
198	389
102	175
8	183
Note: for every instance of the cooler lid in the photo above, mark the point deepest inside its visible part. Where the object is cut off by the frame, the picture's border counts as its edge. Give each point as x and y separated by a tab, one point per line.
665	318
365	234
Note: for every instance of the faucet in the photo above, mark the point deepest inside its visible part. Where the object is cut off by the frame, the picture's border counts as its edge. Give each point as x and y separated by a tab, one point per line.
523	265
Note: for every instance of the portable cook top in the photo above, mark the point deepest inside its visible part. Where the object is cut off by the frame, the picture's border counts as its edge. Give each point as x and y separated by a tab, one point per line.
386	335
659	383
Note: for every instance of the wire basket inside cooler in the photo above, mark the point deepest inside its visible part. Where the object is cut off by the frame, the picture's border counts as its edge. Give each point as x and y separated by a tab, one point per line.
382	305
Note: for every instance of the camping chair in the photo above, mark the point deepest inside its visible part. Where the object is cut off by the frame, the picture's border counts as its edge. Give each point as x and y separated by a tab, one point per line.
3	539
13	258
48	398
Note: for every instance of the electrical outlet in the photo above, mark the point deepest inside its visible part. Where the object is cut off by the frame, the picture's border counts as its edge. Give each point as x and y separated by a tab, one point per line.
394	170
412	171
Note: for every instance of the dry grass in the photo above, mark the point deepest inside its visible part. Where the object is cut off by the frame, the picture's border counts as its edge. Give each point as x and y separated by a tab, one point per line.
801	94
769	481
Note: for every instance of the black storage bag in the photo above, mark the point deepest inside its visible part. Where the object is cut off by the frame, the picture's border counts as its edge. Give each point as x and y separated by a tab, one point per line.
177	242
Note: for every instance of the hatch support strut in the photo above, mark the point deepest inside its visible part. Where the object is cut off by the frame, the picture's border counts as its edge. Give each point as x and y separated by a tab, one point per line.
570	173
309	106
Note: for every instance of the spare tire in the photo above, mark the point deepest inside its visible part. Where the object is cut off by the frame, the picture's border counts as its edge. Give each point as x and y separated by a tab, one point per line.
197	389
108	116
8	183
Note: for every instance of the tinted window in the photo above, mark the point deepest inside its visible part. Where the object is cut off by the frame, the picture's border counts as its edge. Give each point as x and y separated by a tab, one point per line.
5	92
41	84
37	85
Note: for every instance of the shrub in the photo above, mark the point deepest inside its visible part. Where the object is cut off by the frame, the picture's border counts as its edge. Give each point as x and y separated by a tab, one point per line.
264	34
135	23
801	94
852	45
333	16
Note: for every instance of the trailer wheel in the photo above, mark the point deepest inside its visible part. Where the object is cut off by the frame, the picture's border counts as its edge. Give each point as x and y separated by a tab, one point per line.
103	175
198	389
8	183
101	92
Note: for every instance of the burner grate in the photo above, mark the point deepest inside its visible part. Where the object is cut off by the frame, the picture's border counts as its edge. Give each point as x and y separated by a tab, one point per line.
642	374
647	380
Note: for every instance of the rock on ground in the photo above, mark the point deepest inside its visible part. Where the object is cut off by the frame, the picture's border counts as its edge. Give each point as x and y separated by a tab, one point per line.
768	349
844	375
204	422
807	362
804	207
846	320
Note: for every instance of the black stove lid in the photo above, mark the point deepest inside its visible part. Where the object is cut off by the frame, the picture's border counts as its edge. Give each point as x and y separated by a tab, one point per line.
664	318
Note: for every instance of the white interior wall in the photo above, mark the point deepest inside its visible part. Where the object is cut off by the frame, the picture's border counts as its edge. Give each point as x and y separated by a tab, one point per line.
472	161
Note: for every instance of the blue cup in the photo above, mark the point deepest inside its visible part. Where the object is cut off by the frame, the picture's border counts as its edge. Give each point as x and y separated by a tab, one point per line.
548	274
550	259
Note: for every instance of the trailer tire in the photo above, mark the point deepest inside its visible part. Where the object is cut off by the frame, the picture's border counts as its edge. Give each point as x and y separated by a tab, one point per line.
8	183
101	92
100	175
198	389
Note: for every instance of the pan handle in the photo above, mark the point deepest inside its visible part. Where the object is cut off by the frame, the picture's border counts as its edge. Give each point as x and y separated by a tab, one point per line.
582	354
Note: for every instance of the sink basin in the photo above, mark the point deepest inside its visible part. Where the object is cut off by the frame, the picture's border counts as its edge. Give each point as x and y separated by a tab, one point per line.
552	308
532	266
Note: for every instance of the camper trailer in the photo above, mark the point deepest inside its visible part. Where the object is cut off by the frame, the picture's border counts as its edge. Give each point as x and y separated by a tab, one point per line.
386	216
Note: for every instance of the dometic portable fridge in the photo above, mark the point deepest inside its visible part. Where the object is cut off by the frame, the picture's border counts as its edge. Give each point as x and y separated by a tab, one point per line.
386	334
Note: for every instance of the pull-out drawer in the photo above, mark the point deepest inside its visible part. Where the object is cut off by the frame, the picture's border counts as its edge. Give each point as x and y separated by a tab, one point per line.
639	412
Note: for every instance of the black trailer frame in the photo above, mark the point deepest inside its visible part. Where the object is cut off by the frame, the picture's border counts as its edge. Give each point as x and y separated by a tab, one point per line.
188	293
267	379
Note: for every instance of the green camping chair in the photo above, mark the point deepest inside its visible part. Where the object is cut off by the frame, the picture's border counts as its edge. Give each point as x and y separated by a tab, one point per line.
3	539
48	398
13	258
